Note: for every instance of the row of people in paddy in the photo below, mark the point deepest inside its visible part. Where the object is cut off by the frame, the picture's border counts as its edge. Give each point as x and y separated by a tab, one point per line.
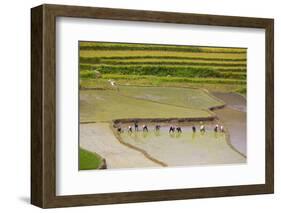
172	129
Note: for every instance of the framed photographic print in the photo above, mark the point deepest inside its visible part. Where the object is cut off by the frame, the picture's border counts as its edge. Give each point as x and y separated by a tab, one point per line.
136	106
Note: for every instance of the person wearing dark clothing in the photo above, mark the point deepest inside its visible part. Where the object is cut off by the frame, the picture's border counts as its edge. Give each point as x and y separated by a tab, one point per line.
136	126
193	129
179	129
216	128
144	128
172	129
157	127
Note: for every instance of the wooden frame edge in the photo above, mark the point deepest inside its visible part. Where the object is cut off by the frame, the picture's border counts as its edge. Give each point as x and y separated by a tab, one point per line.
36	106
269	118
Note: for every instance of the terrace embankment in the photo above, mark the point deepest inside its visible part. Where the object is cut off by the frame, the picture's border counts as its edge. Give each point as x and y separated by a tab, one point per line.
117	122
98	138
234	118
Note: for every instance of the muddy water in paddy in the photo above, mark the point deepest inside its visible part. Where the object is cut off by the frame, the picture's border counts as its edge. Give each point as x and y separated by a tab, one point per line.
186	148
173	149
234	118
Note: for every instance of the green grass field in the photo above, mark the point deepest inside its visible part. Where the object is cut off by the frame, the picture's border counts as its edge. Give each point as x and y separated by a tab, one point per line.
211	84
182	97
107	105
88	160
152	47
160	65
157	53
165	70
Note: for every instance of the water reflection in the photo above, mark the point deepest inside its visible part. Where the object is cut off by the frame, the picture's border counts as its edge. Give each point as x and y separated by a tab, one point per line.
178	134
144	134
193	135
172	134
157	133
216	134
202	133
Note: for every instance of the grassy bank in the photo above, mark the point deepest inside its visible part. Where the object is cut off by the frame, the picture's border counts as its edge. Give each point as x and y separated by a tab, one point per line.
88	160
217	84
100	59
209	84
163	71
153	47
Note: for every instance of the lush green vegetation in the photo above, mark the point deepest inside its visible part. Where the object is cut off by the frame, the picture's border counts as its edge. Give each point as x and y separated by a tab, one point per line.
107	105
158	53
157	81
242	90
161	70
211	84
100	59
148	47
165	61
163	64
191	72
88	160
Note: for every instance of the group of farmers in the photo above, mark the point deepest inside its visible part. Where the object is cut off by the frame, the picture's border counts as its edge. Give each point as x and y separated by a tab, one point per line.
172	129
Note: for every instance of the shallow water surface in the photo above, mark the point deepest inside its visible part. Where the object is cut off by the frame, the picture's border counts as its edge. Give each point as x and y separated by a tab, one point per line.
186	148
234	117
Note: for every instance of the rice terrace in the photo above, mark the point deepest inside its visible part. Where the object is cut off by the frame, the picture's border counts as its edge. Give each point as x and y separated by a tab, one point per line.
148	105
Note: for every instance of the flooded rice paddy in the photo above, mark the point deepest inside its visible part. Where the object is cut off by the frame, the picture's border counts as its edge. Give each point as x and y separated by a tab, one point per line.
234	118
138	149
186	148
144	102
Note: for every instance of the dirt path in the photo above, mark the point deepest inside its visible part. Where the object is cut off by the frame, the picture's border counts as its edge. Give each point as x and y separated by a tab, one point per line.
235	119
98	137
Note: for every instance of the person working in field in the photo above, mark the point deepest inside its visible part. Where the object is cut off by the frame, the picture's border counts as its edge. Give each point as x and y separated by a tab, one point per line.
144	128
216	128
157	127
179	129
136	126
202	128
113	84
193	129
172	129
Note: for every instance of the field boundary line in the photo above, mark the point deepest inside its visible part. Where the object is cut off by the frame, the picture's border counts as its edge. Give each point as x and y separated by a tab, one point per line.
89	58
148	156
209	109
228	141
